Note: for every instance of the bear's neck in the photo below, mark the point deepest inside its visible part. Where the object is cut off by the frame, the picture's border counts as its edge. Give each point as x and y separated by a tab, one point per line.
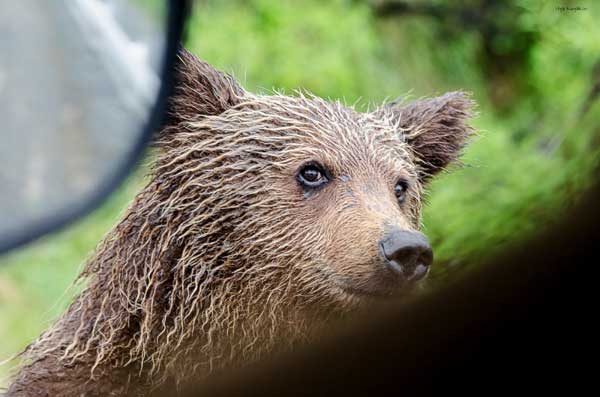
155	309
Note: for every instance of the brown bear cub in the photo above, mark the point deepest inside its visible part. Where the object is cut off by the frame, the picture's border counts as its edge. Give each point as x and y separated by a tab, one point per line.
265	215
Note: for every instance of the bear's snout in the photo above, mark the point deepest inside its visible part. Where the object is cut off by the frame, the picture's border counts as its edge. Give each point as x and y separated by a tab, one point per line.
406	254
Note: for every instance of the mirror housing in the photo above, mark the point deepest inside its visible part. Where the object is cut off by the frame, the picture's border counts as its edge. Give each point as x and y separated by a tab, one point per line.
87	86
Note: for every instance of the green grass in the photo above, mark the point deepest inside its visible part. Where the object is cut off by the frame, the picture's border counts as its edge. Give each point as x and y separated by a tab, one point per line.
520	175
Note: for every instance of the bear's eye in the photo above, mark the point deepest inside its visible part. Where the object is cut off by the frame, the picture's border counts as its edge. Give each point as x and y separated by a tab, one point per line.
400	190
312	175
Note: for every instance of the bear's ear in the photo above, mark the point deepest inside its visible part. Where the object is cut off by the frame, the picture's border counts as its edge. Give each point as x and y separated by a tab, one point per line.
436	129
200	90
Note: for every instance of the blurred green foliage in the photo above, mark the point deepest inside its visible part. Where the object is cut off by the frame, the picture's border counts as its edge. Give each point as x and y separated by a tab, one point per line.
533	69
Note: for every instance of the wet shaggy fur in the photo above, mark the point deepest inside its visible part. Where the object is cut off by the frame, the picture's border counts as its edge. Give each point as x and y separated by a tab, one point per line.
224	257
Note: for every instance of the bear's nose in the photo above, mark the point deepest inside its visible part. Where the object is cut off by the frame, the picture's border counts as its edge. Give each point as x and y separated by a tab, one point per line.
407	254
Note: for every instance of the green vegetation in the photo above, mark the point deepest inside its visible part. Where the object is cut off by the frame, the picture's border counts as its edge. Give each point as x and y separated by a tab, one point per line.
532	70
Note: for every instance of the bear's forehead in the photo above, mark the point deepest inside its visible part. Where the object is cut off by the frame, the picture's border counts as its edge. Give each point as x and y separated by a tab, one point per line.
313	118
311	127
306	109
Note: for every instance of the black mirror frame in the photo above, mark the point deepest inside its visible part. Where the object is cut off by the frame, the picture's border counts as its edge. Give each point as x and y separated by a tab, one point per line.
177	13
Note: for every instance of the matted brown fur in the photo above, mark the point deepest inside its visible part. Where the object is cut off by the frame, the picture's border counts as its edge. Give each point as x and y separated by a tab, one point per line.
223	257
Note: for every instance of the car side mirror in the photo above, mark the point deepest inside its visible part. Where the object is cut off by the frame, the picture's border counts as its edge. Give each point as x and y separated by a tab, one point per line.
83	85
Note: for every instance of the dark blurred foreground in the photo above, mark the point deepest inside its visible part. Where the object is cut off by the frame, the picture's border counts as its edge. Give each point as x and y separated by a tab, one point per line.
522	323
